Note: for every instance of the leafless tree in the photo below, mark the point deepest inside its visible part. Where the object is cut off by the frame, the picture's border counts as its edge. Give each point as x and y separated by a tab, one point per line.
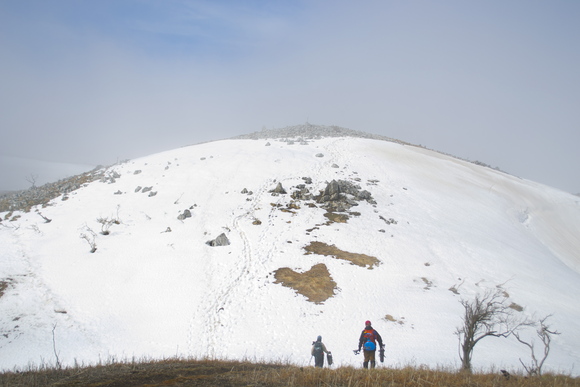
484	316
545	334
32	180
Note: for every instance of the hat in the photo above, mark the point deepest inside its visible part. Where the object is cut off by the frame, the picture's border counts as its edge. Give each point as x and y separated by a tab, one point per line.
367	323
319	338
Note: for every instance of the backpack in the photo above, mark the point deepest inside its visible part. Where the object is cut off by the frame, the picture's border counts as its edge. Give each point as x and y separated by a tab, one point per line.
369	343
317	347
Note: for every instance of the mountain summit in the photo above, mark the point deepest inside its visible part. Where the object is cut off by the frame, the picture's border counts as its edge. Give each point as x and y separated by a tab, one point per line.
249	248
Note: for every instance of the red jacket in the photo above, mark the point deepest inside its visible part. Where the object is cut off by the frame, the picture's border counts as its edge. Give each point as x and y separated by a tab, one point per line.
375	337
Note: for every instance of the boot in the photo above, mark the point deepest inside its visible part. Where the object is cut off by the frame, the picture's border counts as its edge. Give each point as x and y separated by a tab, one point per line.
365	364
372	364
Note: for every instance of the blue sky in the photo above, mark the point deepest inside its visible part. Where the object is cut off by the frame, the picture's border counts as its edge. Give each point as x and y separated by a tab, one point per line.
92	82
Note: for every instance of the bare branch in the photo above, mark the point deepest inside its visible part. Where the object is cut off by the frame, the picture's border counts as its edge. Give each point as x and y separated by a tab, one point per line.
58	365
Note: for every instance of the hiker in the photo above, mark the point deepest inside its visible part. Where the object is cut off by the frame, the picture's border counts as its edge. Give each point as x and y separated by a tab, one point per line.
318	350
367	342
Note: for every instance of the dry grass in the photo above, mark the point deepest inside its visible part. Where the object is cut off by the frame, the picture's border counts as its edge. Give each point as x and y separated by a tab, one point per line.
179	372
315	284
331	250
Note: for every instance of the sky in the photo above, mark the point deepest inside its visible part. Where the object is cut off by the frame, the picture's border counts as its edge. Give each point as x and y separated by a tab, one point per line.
95	82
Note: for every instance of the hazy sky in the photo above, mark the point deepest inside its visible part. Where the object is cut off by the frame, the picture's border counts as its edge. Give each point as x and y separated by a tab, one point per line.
93	82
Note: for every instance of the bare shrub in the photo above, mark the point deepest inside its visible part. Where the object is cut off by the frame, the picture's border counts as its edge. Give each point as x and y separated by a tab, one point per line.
107	222
487	315
544	333
90	236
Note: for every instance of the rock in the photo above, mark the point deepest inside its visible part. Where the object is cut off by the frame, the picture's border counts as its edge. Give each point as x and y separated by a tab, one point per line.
341	195
301	194
221	240
279	189
186	214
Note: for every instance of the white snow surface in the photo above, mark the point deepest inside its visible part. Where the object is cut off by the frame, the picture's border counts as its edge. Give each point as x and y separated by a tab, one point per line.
148	293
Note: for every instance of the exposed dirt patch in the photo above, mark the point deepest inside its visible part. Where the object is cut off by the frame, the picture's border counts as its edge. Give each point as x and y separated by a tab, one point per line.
362	260
315	284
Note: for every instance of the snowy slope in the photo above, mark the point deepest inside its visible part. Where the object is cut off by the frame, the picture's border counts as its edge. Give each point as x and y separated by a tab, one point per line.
154	288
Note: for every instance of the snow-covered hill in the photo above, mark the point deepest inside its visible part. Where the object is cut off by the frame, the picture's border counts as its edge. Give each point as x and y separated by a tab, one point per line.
439	229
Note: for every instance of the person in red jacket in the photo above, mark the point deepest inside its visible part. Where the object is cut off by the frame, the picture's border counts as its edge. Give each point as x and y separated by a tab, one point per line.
368	342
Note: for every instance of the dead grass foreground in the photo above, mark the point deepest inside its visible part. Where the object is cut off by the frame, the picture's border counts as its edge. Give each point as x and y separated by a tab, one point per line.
179	372
362	260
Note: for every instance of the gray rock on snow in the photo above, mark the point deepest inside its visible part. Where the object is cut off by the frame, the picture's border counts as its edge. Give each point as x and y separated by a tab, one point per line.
221	240
279	189
341	195
186	214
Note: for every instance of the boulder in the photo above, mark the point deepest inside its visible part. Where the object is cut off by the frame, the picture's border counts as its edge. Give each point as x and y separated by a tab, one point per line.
221	240
186	214
279	189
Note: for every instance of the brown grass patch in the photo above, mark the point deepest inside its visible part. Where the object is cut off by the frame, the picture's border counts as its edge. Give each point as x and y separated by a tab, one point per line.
315	284
362	260
178	372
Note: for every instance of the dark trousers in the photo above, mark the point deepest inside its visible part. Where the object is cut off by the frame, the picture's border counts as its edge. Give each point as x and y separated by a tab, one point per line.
319	360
